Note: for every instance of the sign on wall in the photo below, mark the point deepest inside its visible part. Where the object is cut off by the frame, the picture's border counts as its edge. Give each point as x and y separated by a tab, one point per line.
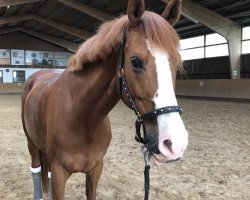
17	57
39	58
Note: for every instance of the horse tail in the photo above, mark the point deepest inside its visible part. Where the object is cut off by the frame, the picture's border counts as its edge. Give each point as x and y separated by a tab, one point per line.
24	95
44	171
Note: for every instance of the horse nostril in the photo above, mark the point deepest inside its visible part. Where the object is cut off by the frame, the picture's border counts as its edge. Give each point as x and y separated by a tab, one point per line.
167	143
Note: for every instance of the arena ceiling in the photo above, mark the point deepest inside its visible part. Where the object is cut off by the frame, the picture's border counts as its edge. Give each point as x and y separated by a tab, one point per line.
70	22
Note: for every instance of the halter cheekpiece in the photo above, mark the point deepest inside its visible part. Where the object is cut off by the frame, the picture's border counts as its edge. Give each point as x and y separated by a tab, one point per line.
124	87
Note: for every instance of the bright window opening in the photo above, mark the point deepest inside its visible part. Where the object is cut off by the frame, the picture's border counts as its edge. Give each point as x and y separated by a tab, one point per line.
217	50
246	33
246	47
190	54
18	76
192	42
215	38
1	76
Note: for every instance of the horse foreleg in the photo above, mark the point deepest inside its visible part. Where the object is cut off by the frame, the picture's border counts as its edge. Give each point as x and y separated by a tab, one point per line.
59	176
92	178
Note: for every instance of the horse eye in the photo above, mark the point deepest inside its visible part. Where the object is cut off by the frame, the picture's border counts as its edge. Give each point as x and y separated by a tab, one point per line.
136	62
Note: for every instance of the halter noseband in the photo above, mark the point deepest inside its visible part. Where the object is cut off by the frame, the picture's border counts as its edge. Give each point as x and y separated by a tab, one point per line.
124	87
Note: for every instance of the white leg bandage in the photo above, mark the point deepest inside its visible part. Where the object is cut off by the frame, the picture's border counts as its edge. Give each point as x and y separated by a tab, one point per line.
50	191
35	170
36	176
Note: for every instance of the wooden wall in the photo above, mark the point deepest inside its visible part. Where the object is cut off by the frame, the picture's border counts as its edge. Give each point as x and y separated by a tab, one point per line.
11	88
219	88
19	40
245	66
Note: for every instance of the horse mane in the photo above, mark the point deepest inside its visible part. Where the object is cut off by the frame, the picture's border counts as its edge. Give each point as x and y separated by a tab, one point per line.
158	31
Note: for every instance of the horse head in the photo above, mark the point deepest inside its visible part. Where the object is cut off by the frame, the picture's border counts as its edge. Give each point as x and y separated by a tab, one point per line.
151	60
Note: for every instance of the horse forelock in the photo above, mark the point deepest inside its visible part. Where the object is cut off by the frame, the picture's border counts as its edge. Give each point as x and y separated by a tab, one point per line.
161	35
158	32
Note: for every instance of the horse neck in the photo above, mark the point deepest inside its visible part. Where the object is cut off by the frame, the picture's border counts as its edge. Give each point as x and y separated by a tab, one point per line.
93	91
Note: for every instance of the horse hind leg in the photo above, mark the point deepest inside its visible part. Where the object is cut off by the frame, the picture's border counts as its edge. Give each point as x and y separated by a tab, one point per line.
33	150
35	169
50	191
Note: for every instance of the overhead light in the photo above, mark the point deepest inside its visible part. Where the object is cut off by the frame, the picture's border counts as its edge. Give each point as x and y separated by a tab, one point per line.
190	18
8	7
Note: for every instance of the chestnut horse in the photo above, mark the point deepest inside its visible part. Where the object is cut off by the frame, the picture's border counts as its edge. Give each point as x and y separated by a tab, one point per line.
65	115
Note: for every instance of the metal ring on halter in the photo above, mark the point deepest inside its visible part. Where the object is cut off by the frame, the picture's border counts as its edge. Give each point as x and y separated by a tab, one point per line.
120	72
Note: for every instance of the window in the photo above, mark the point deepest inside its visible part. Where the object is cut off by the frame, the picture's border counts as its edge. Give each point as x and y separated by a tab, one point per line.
61	58
246	47
217	51
192	48
216	46
17	57
246	40
191	54
192	42
18	76
1	76
37	58
215	38
246	33
4	57
206	46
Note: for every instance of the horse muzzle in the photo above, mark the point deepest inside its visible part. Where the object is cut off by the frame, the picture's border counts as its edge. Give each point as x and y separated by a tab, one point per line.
164	150
160	159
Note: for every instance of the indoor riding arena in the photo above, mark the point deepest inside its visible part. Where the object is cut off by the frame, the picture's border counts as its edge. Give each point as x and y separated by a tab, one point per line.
213	91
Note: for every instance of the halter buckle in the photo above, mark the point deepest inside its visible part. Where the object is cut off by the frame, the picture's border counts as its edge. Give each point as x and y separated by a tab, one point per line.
120	72
139	117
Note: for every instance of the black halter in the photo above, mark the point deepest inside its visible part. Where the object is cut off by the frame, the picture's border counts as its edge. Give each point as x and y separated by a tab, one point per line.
124	87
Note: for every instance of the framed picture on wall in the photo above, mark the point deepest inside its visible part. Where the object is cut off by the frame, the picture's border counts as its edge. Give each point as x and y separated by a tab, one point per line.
17	57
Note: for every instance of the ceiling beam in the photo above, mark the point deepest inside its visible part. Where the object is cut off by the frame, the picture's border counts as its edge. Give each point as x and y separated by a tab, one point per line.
53	23
5	3
71	46
224	26
9	30
207	17
184	28
12	19
221	9
89	10
66	28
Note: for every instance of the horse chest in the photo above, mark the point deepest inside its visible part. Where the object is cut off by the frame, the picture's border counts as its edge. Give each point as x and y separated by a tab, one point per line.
76	151
80	162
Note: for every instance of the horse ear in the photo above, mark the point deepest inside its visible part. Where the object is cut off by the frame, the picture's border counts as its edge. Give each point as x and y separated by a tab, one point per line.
135	10
172	12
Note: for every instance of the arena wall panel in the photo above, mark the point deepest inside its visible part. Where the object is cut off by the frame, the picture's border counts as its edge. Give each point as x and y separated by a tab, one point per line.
218	88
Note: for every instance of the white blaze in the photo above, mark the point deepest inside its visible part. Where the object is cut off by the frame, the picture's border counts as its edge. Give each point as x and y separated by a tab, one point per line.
170	125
